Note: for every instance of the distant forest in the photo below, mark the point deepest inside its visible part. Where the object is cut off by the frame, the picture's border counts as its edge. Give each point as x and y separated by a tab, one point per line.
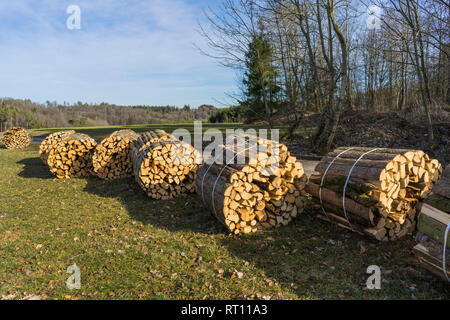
25	113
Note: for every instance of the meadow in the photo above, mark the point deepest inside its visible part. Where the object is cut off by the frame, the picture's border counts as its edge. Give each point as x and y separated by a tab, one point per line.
131	247
99	133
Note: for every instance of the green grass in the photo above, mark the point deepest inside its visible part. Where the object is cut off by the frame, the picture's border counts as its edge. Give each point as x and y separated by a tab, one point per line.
131	247
99	133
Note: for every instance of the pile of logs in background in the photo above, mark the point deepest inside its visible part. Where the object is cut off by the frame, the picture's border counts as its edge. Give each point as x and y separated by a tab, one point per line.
50	142
112	156
262	190
163	166
72	156
382	191
16	138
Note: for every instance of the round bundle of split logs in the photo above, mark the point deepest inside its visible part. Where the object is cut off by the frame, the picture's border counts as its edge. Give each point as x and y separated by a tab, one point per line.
164	166
50	142
248	191
72	156
16	138
112	156
150	137
373	191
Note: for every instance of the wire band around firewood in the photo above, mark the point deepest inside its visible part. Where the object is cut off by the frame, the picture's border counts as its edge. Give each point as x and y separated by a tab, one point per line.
323	178
220	173
204	175
444	263
207	170
348	178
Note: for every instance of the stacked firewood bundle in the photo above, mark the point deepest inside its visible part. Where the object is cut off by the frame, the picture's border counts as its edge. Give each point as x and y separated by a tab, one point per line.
72	156
433	224
373	191
50	142
112	156
164	166
150	137
248	191
16	138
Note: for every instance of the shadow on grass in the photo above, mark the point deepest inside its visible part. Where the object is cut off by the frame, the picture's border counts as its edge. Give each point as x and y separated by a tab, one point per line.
34	168
182	213
315	259
311	258
297	258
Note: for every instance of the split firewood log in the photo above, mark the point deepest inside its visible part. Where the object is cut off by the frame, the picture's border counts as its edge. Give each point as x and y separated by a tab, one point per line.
16	138
72	156
50	142
112	156
147	138
164	166
263	189
382	188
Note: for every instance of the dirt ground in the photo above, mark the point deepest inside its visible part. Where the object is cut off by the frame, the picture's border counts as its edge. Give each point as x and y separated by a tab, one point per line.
384	130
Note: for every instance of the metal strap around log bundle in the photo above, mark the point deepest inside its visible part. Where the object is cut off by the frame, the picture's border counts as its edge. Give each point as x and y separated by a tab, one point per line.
218	177
323	178
348	178
204	175
444	263
142	154
145	151
228	139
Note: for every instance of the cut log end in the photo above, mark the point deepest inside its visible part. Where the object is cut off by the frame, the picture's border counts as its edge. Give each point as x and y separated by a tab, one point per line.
379	188
72	156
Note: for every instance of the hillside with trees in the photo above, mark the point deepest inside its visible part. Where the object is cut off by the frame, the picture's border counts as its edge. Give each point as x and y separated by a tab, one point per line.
25	113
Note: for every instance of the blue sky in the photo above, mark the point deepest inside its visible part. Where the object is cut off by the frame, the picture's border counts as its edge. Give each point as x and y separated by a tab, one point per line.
126	52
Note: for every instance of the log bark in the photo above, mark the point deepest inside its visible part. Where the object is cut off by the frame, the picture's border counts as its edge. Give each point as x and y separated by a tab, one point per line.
335	199
433	223
439	202
442	187
367	173
388	183
212	191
